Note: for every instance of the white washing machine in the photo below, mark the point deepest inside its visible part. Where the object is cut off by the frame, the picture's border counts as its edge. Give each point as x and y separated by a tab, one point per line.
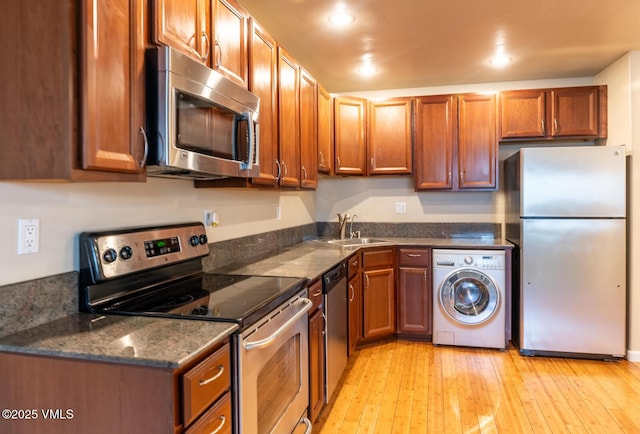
469	298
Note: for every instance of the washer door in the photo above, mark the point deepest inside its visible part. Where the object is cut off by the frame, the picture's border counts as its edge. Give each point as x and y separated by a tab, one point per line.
469	296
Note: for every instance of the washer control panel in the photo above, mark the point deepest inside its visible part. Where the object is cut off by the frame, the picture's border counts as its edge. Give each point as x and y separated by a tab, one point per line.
483	260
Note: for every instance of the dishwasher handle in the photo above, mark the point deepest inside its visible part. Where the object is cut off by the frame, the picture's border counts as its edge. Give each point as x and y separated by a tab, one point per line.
334	277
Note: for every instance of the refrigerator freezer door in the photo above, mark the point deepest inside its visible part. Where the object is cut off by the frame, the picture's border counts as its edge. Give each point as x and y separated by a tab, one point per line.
573	286
584	181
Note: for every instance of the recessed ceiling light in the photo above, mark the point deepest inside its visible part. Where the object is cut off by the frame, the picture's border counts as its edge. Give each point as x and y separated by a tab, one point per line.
341	19
500	60
340	16
367	69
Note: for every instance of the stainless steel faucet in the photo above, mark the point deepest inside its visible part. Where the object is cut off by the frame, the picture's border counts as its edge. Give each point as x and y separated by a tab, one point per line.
351	233
342	222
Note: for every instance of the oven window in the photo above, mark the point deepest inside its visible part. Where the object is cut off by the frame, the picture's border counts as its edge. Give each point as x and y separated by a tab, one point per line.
204	127
278	384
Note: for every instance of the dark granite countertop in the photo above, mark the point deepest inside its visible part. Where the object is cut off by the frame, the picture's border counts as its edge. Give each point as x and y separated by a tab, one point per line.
310	259
154	342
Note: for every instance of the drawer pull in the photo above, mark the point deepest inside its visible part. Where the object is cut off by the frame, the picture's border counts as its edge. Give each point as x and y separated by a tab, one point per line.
318	293
222	421
414	255
214	378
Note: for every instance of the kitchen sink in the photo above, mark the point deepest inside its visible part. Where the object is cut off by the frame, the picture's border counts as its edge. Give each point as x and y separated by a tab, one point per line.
352	242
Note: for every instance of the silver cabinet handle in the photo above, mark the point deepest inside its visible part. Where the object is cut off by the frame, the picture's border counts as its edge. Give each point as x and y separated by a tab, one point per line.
307	422
222	422
555	125
218	54
261	343
414	255
366	278
353	293
279	172
449	178
338	159
324	320
317	293
285	172
206	55
146	147
214	378
321	158
542	125
372	163
304	173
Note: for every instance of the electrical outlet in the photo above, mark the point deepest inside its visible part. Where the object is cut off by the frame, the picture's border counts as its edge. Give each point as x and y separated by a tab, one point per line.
401	208
278	213
210	219
28	236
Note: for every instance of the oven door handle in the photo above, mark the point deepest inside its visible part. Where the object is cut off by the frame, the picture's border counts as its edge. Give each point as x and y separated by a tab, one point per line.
261	343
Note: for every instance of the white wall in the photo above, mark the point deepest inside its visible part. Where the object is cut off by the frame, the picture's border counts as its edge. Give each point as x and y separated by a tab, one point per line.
66	209
623	81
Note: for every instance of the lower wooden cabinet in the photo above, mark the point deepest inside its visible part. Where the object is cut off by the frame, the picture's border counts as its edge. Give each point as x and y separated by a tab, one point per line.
354	294
105	398
414	293
379	295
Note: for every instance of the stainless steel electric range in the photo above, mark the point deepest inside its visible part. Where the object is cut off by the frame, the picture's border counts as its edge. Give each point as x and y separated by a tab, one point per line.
157	271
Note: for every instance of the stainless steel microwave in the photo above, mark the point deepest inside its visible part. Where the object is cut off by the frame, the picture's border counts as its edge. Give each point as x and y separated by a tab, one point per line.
200	124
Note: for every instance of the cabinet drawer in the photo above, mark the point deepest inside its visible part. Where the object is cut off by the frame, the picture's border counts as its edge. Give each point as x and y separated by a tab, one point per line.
354	265
204	383
216	420
420	257
377	258
315	295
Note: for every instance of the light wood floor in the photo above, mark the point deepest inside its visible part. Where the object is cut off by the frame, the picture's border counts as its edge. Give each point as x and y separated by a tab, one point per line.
414	387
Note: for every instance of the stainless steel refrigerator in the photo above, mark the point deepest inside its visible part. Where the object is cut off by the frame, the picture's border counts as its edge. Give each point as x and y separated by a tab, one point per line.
566	213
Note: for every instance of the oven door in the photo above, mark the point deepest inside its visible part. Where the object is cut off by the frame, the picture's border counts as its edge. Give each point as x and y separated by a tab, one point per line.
273	371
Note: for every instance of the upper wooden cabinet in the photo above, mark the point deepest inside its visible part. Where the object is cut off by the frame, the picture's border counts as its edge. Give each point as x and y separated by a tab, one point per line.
308	130
477	142
263	81
456	142
82	117
389	136
349	116
288	119
211	31
552	114
229	40
325	131
184	25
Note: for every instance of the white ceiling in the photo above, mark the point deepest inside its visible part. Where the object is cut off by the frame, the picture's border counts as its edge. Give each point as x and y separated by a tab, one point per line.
423	43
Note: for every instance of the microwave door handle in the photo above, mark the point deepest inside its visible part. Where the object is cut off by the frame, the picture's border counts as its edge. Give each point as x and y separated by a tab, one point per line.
249	163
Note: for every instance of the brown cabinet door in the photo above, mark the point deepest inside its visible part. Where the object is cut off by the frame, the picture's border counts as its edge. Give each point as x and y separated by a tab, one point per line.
379	313
355	311
436	139
414	301
522	114
349	135
288	120
263	81
229	30
308	130
574	111
477	142
184	25
389	136
325	132
316	364
112	96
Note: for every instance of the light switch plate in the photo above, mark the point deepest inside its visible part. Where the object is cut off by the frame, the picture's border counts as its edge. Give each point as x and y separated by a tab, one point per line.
401	208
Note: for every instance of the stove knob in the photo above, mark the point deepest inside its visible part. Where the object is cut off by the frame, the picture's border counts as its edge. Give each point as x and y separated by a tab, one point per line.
194	240
126	252
109	256
203	239
468	260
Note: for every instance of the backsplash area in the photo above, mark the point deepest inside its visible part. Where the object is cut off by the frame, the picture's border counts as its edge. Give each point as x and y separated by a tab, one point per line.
35	302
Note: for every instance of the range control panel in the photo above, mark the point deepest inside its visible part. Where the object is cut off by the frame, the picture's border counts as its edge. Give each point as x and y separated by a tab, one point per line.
111	254
483	260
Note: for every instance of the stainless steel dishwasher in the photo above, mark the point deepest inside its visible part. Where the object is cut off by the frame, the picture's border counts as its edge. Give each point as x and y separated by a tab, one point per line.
335	304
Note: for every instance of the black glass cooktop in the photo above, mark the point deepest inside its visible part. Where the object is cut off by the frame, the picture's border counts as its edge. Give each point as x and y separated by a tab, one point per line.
215	297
